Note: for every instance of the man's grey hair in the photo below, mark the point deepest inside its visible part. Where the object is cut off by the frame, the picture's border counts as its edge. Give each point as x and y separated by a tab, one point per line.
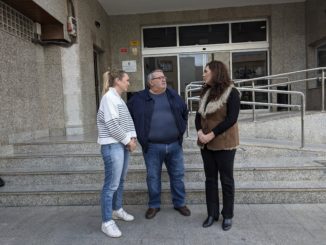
150	76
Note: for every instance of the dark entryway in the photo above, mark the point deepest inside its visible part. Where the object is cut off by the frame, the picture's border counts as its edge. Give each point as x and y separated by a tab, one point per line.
96	78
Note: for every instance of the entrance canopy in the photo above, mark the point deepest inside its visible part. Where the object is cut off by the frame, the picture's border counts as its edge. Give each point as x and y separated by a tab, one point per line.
121	7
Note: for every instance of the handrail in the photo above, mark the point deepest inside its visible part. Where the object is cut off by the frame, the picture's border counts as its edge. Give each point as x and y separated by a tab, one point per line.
278	75
301	107
285	83
191	87
196	86
322	69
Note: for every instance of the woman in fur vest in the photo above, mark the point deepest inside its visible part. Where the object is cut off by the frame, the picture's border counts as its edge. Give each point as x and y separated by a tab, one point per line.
218	137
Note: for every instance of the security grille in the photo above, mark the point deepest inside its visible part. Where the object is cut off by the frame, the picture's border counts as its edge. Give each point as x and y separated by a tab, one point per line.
13	22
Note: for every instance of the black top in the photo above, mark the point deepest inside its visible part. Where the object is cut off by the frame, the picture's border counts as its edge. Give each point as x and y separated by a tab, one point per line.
233	108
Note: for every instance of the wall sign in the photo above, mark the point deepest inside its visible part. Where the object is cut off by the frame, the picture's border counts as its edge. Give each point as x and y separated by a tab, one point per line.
123	50
134	43
129	66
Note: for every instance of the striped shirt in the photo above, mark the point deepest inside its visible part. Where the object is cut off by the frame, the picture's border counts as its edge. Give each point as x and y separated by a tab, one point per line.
114	122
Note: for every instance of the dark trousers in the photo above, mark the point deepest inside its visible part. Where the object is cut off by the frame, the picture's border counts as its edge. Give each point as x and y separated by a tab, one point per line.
219	162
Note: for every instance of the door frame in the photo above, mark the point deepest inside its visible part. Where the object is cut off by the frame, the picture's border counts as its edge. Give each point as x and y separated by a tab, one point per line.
206	53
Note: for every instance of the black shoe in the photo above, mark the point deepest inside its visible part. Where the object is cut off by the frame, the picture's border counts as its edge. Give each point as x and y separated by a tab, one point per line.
185	211
2	183
208	222
226	224
151	212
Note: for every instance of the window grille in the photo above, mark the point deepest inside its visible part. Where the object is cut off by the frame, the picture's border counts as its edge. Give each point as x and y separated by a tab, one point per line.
14	23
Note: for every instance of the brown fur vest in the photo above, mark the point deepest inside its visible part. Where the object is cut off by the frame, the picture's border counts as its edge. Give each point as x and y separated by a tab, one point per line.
215	113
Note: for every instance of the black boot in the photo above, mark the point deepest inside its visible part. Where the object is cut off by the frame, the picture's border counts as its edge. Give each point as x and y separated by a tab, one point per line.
212	201
213	215
208	222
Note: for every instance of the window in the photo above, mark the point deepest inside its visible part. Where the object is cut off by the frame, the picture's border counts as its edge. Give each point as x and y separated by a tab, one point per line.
321	61
13	22
247	65
249	31
321	56
204	34
160	37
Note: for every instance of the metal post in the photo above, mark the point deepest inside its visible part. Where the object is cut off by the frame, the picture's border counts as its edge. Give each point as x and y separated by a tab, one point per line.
303	105
269	95
323	90
253	100
187	101
190	93
289	96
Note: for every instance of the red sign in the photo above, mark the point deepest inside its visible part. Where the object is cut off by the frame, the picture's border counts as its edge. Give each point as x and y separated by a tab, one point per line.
123	50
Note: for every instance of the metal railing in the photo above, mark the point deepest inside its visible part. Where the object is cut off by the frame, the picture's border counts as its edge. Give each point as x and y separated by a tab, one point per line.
190	88
269	85
301	107
282	75
197	85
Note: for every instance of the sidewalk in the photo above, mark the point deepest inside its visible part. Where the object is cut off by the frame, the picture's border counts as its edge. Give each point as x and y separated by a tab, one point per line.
253	224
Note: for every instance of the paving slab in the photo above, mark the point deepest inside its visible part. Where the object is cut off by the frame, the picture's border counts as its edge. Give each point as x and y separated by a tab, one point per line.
253	224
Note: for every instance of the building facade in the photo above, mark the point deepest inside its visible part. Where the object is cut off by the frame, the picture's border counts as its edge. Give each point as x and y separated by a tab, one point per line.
54	52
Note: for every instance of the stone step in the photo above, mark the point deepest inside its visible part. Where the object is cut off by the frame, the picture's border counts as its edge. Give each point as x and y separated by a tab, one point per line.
251	155
246	192
75	147
268	148
71	173
72	161
137	174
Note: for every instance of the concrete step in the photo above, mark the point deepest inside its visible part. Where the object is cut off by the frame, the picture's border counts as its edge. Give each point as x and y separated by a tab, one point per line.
246	192
137	174
189	143
58	172
61	147
75	147
73	161
249	153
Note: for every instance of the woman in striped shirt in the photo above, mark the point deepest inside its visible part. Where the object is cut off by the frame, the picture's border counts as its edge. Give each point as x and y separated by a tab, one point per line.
117	137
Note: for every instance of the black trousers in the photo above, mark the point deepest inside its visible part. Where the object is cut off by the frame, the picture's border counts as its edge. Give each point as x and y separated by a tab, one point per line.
219	162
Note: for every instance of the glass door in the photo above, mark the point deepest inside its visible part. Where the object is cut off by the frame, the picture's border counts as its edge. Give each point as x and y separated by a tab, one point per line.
191	69
247	65
223	57
192	66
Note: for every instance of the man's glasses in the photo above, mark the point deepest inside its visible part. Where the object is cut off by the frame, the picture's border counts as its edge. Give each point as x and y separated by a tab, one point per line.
161	78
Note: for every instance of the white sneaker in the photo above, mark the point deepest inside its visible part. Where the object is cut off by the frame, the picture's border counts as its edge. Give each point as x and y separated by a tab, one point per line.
121	214
111	229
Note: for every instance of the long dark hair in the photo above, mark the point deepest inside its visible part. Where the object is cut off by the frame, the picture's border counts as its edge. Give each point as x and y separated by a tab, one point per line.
220	80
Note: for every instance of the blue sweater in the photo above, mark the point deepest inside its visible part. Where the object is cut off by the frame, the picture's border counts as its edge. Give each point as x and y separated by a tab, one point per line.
163	127
141	107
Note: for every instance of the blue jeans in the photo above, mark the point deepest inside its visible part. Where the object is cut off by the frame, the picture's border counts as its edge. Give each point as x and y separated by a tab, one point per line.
115	157
172	156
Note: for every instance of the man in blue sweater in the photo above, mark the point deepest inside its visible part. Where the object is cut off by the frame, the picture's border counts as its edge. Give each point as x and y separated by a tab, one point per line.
160	117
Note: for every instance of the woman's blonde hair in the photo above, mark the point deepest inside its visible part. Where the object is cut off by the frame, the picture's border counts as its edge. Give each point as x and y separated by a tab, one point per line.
109	78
